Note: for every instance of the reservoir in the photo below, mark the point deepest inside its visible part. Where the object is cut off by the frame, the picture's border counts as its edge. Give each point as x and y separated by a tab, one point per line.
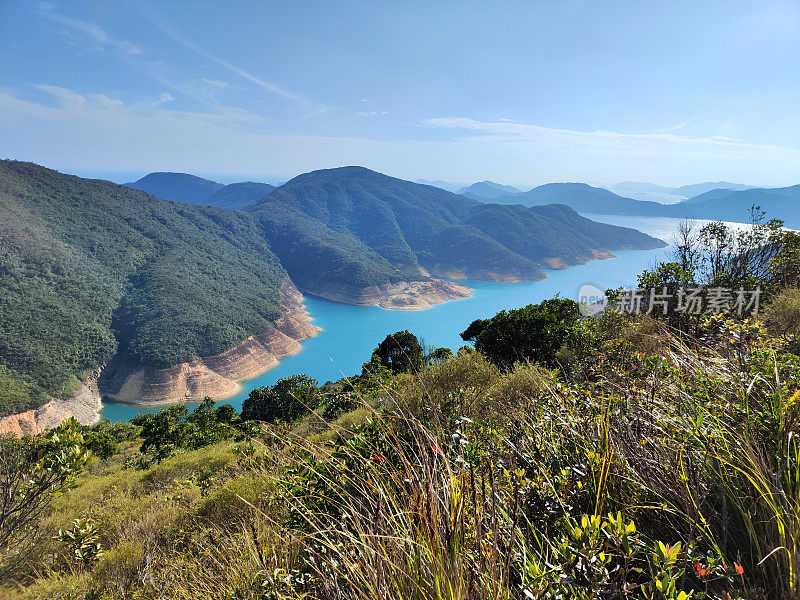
350	333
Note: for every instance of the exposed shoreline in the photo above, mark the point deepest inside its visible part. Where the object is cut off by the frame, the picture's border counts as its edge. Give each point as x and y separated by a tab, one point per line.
84	405
220	376
404	295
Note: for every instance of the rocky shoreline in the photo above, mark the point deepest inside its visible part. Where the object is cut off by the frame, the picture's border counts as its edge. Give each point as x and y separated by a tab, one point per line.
404	295
217	377
220	376
84	405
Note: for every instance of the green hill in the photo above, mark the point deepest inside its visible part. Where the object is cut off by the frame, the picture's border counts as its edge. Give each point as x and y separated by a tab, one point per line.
180	187
422	228
240	195
88	267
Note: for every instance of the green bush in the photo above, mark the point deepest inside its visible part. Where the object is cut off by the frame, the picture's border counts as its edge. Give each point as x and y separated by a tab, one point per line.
287	400
533	333
119	570
782	316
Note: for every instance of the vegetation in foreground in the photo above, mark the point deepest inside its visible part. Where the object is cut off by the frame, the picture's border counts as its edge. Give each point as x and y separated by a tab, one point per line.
636	460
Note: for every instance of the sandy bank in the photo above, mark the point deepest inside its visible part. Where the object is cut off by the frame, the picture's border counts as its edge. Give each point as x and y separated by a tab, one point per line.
84	406
405	295
215	376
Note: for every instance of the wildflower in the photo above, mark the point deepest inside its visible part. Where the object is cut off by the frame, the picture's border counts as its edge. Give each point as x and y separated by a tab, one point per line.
739	568
378	458
701	571
436	449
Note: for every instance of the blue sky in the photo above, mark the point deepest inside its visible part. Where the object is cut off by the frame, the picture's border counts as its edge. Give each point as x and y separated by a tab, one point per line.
519	92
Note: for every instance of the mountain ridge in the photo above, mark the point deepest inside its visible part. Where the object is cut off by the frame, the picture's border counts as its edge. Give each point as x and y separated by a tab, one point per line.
94	271
716	204
487	189
434	232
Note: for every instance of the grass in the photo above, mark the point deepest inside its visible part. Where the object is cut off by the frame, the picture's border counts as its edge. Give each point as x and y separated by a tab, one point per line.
668	472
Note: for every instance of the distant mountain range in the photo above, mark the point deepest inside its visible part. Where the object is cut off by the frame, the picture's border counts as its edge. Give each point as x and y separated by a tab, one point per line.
582	198
487	189
710	200
91	270
715	204
445	185
669	195
431	231
191	189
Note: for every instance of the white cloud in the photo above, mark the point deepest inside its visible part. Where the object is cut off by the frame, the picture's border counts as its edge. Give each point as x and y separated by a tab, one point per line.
605	141
202	89
216	83
90	29
269	86
64	129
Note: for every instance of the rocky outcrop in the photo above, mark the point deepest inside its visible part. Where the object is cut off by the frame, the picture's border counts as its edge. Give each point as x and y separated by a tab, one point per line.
219	376
215	376
84	406
557	262
404	295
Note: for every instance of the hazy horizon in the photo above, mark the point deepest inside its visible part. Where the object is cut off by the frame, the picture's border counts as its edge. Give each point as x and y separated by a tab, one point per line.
123	176
518	93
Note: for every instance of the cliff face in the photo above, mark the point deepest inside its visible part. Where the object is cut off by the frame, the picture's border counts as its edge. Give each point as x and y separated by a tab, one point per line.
405	295
84	406
215	376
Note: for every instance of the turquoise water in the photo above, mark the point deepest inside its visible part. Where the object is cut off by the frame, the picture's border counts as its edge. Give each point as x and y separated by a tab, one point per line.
349	333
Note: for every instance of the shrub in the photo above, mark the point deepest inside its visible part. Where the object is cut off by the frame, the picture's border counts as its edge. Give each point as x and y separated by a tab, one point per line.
82	541
782	316
287	400
454	388
533	333
119	568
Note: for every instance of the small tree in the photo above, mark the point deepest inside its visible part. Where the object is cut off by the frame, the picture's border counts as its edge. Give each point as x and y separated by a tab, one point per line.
535	333
163	432
287	400
400	352
32	471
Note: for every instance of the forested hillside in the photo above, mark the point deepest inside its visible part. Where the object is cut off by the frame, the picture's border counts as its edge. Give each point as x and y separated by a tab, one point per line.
418	226
88	267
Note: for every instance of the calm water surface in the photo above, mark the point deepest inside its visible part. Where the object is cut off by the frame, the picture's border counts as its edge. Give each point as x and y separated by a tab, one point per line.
349	333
